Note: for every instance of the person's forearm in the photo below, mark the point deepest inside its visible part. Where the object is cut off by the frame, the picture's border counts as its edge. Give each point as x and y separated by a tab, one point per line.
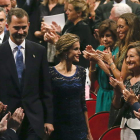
117	100
92	72
103	67
38	34
87	122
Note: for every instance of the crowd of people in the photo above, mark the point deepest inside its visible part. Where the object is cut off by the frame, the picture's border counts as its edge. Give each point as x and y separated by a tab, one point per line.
44	68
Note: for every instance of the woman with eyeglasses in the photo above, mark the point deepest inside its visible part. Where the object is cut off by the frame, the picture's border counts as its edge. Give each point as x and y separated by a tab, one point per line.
128	30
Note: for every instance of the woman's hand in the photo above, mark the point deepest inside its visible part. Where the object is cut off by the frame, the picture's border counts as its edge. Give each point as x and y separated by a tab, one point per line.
89	136
137	114
56	27
91	56
90	49
130	97
51	37
106	56
45	28
117	84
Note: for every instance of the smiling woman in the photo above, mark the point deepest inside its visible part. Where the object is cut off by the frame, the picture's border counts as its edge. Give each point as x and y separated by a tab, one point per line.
68	82
125	96
108	36
128	30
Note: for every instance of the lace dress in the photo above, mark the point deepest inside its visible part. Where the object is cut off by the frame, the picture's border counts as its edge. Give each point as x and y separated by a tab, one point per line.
69	105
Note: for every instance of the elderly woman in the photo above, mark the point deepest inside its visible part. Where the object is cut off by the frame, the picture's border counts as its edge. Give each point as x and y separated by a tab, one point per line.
108	36
130	124
68	82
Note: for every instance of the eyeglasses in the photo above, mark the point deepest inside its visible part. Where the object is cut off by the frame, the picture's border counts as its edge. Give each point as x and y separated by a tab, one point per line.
120	27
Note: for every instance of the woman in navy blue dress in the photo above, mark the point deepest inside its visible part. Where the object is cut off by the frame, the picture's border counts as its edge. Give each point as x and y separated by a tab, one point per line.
68	82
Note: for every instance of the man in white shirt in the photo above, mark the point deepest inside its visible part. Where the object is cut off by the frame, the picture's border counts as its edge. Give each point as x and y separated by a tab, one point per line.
119	9
24	78
6	4
3	34
103	11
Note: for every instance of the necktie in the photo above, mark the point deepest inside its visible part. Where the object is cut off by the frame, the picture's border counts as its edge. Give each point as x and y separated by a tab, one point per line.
19	63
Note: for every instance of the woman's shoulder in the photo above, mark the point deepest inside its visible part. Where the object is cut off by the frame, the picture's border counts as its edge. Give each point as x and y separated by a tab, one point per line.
51	69
81	69
82	24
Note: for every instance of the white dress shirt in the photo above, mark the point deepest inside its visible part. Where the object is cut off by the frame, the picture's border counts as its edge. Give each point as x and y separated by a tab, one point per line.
1	37
13	46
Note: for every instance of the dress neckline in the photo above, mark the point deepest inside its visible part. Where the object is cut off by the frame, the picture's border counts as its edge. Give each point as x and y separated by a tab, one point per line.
134	83
64	75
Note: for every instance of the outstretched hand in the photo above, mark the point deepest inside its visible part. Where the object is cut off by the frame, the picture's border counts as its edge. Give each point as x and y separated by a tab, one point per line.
56	27
45	27
3	107
3	123
106	55
51	37
91	56
117	84
130	96
16	119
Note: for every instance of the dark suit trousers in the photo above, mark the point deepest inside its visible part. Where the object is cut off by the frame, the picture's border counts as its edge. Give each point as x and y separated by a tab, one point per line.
26	132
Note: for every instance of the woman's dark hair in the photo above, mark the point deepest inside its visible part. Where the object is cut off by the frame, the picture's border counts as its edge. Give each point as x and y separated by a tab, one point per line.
108	25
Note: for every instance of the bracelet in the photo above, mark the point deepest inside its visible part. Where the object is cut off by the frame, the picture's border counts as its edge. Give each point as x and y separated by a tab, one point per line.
92	70
111	63
113	68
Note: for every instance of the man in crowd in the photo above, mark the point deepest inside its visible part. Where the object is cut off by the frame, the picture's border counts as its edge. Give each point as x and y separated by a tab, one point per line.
103	11
24	78
6	4
13	3
119	9
4	35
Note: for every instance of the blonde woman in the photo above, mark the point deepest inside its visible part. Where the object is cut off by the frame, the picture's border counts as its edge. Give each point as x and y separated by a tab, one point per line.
68	82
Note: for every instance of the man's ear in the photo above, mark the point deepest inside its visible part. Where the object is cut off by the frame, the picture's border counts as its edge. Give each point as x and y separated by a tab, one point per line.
29	24
7	27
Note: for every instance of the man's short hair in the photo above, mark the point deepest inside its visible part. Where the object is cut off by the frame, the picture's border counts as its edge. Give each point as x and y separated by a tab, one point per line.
121	8
18	12
2	10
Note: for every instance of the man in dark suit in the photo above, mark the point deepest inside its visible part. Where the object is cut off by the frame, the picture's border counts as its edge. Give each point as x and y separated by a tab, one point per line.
103	11
31	7
4	35
24	78
6	4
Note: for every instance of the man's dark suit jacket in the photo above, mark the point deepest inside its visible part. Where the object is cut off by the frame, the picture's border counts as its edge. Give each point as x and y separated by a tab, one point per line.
35	95
6	36
9	135
103	11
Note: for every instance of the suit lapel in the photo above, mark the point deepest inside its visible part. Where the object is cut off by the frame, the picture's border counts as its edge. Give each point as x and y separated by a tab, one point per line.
10	62
29	57
6	36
